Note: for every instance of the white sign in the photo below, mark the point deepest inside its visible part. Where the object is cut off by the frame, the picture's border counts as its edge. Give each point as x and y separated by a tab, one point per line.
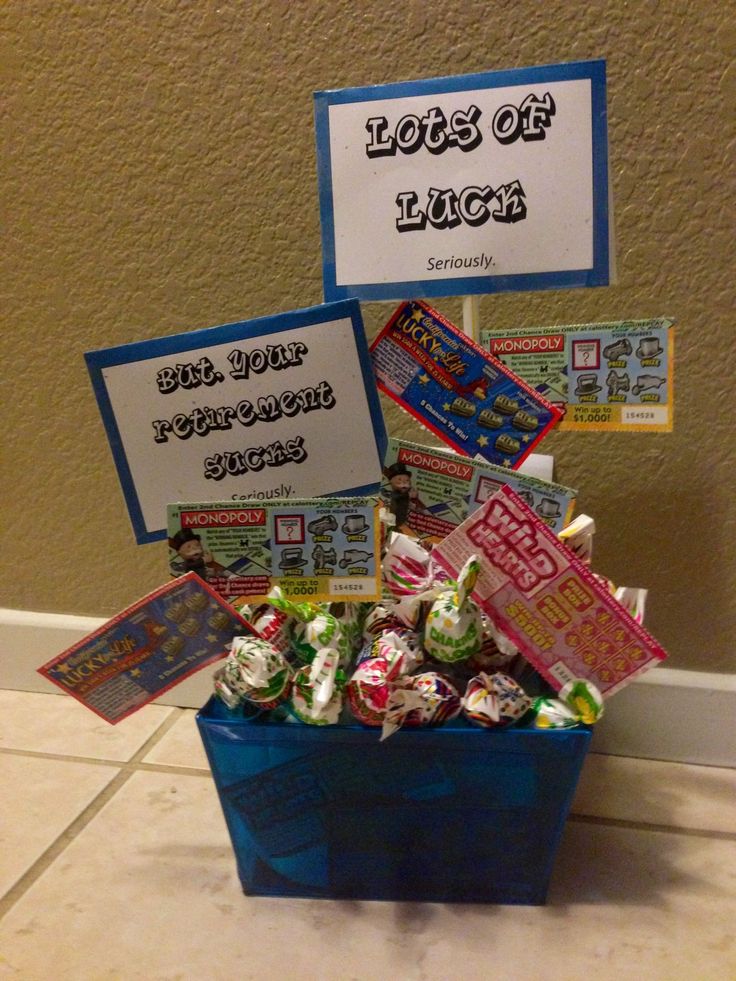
473	184
282	406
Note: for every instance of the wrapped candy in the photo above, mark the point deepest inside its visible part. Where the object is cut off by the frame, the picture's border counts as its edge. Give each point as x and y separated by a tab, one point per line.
406	568
633	600
350	617
390	613
454	627
578	536
312	628
379	619
369	688
273	625
584	699
494	700
496	653
392	642
578	701
254	671
551	713
317	689
426	699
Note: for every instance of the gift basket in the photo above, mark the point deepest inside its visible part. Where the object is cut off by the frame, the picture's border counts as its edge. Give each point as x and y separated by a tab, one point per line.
411	644
399	750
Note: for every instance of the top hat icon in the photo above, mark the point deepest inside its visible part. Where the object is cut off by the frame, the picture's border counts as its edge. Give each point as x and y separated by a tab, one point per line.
355	524
649	347
587	385
291	558
548	507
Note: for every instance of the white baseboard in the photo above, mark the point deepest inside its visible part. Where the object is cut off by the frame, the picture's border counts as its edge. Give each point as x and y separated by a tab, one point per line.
667	714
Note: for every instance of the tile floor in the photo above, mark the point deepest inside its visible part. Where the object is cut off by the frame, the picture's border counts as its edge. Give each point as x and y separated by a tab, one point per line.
115	864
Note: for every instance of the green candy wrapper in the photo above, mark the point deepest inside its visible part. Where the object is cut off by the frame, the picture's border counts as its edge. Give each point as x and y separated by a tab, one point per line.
317	690
312	628
254	671
454	627
579	701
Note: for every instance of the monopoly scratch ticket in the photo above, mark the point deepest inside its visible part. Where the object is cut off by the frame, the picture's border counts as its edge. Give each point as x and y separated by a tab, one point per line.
147	649
457	390
318	549
431	491
615	376
534	589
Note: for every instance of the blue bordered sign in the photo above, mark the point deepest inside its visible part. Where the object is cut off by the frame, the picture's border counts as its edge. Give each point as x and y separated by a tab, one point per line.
247	411
472	184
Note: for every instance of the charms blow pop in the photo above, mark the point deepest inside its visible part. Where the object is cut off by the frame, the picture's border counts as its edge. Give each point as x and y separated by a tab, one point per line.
312	628
454	627
578	701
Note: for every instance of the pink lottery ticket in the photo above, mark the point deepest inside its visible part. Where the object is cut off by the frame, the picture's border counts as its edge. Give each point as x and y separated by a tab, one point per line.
545	600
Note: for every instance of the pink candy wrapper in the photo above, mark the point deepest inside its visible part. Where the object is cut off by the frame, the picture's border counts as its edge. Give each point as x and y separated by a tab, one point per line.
369	689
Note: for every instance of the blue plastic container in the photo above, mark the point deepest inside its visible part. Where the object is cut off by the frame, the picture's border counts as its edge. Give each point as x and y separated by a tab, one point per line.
454	814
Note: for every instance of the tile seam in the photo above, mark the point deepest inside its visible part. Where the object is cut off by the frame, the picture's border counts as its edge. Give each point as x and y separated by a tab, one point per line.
157	735
649	826
63	840
143	765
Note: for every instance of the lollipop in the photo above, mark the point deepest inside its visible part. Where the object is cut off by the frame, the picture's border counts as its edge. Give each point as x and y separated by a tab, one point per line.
391	642
454	627
369	688
350	617
494	700
273	625
317	690
406	568
496	652
578	701
312	627
254	671
425	699
379	619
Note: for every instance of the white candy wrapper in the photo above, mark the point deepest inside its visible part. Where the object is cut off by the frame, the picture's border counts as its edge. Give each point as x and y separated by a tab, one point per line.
425	699
454	627
317	690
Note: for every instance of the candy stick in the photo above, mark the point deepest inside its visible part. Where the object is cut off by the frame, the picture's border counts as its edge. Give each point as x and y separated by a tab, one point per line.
471	317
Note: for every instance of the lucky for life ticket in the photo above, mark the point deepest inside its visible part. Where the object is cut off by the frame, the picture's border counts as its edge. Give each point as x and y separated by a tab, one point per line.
457	390
537	592
147	649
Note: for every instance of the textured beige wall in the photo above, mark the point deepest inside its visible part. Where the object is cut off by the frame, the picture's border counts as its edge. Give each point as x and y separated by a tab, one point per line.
159	176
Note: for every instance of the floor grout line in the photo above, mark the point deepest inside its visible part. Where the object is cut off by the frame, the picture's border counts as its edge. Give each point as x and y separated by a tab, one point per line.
136	763
157	735
125	770
670	829
62	757
133	766
62	841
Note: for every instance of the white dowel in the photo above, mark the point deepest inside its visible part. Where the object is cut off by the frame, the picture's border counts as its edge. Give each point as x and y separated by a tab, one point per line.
471	317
